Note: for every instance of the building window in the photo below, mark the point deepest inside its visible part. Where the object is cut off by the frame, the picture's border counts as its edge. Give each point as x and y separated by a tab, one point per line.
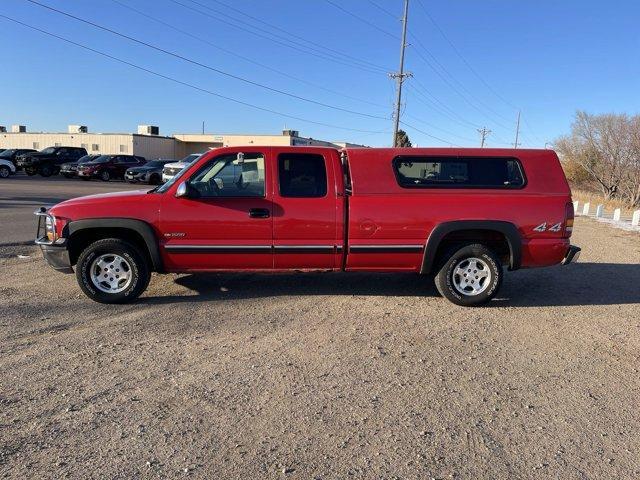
36	145
57	144
95	147
84	145
458	172
123	149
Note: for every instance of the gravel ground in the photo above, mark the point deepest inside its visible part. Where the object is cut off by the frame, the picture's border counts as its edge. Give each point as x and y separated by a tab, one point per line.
325	375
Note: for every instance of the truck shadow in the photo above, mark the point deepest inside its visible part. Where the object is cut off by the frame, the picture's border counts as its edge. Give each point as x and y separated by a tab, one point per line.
577	284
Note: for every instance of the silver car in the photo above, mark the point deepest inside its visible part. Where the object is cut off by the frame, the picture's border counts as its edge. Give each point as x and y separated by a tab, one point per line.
172	169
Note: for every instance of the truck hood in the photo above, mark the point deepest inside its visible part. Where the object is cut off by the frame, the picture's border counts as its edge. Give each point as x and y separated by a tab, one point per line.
99	199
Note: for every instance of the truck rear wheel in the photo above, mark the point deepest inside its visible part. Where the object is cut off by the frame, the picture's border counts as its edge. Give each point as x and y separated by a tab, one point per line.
112	271
470	275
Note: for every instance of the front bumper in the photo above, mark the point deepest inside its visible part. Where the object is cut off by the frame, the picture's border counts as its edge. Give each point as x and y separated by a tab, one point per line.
57	256
572	255
55	252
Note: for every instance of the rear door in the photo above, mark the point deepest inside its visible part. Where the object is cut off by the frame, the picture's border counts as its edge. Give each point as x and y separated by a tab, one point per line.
304	210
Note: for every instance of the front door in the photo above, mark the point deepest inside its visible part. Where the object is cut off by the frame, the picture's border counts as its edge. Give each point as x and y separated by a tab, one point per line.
228	226
304	212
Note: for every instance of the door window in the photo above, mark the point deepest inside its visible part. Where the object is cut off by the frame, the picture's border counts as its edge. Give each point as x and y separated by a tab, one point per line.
229	176
302	175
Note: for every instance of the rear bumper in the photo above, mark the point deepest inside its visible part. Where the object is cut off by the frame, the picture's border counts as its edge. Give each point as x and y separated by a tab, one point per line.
572	255
57	256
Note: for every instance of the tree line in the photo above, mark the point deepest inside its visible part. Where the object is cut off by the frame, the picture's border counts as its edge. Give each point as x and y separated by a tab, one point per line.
603	152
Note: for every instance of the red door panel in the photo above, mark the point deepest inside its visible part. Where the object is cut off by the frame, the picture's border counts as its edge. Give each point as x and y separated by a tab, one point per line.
219	233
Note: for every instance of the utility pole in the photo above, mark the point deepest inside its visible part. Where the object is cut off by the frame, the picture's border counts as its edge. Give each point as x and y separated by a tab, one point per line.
484	133
203	127
400	76
515	145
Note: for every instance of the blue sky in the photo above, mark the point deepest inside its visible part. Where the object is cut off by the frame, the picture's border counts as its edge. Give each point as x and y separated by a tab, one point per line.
546	58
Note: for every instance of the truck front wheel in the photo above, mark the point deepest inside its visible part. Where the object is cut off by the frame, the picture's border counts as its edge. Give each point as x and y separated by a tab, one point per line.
112	271
469	275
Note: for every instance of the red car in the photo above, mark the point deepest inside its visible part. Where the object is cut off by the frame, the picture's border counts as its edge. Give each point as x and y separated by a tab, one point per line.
106	167
461	214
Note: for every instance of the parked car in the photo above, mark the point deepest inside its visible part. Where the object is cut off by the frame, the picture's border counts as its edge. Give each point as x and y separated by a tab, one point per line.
461	214
11	154
172	169
70	169
6	168
106	167
47	162
150	172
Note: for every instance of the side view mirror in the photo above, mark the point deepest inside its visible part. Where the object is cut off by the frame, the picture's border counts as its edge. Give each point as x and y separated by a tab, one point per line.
186	190
240	158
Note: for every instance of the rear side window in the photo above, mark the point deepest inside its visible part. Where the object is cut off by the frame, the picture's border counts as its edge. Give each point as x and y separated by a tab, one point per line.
302	175
458	172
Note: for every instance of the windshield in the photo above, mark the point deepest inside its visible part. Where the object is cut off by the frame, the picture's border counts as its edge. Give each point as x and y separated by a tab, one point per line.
8	153
165	186
191	158
156	163
101	159
86	158
48	150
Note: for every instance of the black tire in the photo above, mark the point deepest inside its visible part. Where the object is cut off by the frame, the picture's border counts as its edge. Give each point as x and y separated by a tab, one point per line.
67	175
46	170
4	171
104	175
30	171
86	179
154	179
139	271
452	285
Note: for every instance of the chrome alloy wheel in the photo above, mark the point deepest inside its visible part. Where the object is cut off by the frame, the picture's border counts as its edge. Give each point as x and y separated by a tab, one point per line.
471	276
111	273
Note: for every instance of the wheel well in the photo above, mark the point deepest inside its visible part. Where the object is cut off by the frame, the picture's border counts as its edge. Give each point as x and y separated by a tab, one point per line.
493	239
83	238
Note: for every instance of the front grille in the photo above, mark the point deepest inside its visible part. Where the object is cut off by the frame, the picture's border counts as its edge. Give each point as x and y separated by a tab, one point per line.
172	171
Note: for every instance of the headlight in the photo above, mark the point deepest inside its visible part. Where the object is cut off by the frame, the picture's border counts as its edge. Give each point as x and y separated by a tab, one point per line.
50	229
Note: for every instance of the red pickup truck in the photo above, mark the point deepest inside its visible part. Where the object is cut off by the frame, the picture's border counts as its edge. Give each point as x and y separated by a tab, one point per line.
458	214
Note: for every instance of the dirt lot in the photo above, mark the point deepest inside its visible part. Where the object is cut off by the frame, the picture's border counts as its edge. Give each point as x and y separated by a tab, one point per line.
325	376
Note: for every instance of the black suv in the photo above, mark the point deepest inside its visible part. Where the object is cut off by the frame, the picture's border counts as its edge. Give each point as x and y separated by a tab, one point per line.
106	167
47	162
11	154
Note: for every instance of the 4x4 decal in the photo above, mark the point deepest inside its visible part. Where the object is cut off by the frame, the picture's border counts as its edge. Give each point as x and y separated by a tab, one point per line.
556	227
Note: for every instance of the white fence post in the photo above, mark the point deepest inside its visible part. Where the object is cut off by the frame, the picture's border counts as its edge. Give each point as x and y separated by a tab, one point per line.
616	214
599	211
585	209
576	204
635	221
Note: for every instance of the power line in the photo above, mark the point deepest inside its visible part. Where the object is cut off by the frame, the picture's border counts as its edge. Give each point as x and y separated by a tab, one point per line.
208	67
247	59
279	39
439	105
288	33
383	9
180	82
363	20
469	66
425	133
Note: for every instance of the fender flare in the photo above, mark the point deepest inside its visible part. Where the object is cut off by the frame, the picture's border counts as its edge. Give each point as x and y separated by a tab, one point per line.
139	226
508	229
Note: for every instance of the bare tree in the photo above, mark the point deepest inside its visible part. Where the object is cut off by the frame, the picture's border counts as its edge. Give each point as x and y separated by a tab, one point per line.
603	146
